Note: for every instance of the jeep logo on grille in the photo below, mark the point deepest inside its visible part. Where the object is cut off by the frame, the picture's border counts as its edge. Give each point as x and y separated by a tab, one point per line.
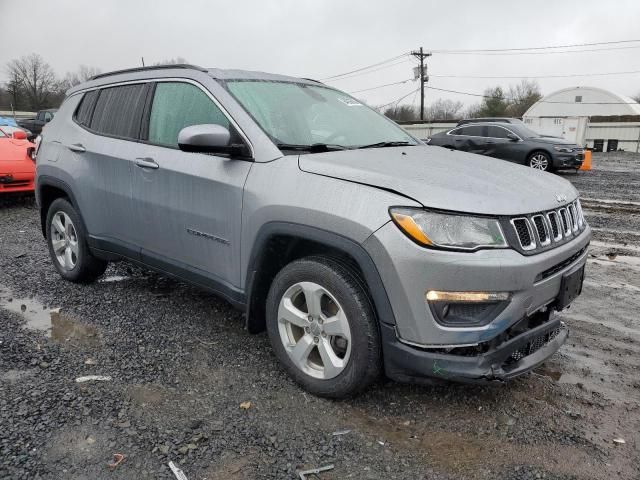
561	198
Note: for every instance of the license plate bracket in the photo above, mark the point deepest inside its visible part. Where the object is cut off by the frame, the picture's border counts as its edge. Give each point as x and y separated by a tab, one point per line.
570	287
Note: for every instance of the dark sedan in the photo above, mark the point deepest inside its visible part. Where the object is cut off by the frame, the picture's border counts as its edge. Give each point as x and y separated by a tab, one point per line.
512	142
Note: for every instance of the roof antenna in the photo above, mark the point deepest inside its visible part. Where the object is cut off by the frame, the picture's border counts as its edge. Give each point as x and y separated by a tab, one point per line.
142	58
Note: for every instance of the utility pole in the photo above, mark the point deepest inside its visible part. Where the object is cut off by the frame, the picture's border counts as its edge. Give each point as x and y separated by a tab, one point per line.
420	55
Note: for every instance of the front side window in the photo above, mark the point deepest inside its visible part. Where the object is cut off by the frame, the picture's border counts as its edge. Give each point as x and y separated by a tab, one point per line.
118	111
498	132
177	105
304	115
85	109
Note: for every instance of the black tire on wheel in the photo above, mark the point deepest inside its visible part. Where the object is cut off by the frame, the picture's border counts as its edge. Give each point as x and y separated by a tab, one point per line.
86	267
540	161
364	364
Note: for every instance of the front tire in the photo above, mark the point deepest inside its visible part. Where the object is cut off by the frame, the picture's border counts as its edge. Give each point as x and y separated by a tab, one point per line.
540	161
322	327
68	247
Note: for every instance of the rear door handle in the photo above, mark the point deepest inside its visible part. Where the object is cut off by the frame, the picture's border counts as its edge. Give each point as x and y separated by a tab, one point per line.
147	162
76	147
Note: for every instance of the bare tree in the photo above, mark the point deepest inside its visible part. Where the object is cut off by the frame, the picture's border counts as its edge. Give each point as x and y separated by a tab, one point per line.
522	96
443	109
82	74
35	79
636	97
402	113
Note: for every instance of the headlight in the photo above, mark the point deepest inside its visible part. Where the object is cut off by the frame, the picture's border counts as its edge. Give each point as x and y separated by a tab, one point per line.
449	231
563	148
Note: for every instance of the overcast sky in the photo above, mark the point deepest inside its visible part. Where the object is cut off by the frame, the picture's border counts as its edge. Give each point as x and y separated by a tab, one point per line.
321	38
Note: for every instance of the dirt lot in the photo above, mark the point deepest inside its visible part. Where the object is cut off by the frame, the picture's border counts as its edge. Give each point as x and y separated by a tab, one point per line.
181	366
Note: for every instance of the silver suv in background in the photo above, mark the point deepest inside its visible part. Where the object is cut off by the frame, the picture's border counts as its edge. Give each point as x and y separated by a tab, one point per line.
358	249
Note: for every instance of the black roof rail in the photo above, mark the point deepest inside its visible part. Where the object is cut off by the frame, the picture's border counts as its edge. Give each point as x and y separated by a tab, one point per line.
312	80
152	67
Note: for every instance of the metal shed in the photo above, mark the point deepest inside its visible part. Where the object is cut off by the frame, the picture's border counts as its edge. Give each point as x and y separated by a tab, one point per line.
589	116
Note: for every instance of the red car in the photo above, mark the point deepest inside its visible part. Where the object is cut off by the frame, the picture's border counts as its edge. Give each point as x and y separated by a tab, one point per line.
17	165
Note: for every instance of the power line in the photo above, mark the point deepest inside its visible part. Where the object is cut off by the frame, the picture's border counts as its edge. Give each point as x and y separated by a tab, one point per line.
548	47
540	101
539	76
366	72
545	52
382	86
399	99
365	68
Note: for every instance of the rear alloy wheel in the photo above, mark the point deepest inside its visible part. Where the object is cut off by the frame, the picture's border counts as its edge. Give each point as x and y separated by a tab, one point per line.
540	161
67	244
322	327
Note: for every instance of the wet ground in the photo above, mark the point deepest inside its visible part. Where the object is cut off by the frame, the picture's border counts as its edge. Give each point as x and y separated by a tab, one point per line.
180	380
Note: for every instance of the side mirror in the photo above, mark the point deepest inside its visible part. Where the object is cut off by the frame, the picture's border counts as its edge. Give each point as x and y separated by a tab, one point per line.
512	137
209	138
19	135
47	119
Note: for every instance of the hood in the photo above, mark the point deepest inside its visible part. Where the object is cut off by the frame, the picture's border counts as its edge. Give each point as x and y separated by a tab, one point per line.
445	179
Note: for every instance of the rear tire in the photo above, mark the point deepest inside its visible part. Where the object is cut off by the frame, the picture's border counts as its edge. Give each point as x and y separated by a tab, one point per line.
322	327
68	247
540	161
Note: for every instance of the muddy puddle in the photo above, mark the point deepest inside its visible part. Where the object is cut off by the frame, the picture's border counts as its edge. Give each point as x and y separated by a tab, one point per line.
54	323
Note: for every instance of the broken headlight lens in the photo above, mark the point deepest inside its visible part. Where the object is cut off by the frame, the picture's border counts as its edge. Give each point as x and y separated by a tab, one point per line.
448	230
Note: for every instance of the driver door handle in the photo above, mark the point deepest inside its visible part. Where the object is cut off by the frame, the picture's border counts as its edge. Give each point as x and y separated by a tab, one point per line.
77	147
146	162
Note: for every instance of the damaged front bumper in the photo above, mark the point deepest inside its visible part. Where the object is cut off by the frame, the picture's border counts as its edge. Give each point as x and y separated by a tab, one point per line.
519	353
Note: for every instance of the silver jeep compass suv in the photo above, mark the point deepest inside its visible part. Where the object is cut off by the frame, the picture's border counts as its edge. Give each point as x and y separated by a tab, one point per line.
358	248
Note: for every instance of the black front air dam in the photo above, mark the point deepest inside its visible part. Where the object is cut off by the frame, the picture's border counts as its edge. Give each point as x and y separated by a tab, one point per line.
405	363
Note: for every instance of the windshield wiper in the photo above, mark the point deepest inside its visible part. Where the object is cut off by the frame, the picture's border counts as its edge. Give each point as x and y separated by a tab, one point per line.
386	144
313	148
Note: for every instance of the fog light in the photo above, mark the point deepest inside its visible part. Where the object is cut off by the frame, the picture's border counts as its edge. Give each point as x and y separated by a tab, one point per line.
466	309
437	296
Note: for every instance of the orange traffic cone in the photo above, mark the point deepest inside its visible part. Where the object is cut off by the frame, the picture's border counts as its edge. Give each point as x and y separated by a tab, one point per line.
586	162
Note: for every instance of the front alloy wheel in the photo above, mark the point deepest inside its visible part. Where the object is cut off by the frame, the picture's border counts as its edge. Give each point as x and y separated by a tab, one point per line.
323	328
64	240
314	330
539	161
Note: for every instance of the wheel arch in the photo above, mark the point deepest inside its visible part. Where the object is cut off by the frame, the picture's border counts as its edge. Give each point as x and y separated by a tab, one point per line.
49	189
279	243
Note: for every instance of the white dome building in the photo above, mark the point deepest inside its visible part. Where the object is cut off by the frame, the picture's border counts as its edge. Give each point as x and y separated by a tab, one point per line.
590	116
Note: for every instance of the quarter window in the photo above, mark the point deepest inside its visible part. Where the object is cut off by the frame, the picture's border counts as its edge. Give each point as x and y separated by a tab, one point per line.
85	109
177	105
118	111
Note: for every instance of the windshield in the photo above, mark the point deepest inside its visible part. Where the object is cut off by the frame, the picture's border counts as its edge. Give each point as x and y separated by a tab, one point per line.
296	114
2	134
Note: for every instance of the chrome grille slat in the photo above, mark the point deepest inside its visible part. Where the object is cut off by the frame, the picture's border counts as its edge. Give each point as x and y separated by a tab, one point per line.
524	232
541	231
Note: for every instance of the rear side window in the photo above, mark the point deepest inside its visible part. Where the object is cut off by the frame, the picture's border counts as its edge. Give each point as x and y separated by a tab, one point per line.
177	105
85	109
118	111
473	131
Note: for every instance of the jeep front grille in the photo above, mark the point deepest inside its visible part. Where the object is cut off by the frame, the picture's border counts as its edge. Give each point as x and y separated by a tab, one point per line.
548	229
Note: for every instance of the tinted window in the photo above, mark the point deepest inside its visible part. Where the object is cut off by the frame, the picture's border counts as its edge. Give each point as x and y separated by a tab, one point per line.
177	105
118	111
498	132
85	109
472	131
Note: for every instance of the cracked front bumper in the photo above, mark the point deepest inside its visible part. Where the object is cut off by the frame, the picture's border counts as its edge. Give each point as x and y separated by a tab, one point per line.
512	358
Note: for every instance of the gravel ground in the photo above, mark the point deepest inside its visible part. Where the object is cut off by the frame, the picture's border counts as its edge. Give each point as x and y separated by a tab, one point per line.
182	368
